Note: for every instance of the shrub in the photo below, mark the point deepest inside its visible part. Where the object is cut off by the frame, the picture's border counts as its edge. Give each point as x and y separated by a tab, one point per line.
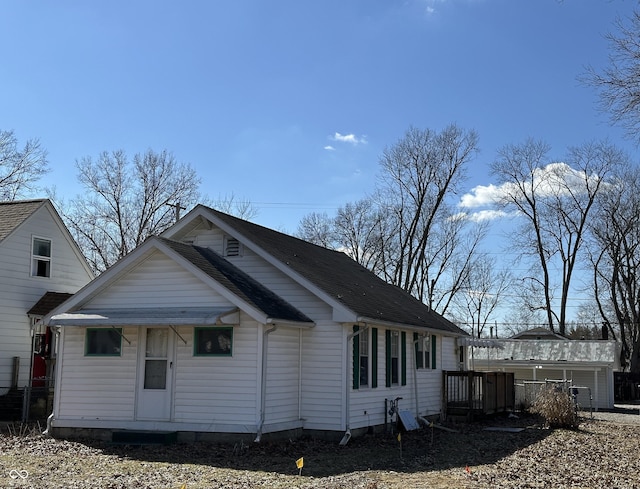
556	407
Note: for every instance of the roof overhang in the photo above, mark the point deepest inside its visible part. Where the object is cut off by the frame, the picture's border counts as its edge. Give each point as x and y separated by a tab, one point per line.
195	316
479	342
409	327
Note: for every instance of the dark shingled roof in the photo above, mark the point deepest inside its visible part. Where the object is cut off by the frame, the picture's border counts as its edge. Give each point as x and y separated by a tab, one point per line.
12	214
48	302
237	281
342	278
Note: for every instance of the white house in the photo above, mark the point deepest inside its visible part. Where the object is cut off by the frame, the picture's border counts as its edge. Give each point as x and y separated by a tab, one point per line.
223	326
41	267
586	364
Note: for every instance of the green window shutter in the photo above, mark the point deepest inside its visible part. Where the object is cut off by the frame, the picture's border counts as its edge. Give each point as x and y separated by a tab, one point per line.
374	358
387	354
403	358
356	359
433	351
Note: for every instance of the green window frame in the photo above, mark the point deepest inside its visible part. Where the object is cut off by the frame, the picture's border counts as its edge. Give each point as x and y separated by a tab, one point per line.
103	342
215	341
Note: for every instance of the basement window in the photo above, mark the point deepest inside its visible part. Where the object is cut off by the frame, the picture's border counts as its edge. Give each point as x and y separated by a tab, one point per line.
213	341
103	342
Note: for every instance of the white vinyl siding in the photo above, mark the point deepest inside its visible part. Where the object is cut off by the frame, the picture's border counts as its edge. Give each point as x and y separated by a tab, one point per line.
218	390
323	378
158	282
96	387
19	291
283	376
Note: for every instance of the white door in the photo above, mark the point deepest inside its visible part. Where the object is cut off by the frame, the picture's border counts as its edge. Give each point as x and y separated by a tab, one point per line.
155	377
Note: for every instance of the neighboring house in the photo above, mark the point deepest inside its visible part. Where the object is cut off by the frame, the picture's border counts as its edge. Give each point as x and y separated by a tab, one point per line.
223	326
41	267
588	364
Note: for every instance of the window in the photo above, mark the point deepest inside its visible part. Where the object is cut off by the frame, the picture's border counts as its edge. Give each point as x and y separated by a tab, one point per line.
103	342
41	257
396	358
423	351
365	358
213	341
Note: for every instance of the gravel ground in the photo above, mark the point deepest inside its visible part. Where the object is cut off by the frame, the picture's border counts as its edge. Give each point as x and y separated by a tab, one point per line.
502	452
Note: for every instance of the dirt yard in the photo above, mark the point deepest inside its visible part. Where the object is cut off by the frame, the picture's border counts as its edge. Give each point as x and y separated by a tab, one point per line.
602	453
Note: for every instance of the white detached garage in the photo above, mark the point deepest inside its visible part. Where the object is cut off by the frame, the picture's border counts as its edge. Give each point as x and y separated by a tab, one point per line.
223	326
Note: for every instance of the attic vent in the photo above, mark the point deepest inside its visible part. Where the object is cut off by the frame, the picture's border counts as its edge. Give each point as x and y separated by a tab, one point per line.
231	247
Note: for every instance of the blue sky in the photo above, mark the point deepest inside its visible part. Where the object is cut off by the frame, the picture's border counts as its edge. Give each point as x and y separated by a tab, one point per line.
289	103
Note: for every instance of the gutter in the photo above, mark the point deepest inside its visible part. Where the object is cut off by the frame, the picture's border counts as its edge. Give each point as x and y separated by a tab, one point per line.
263	386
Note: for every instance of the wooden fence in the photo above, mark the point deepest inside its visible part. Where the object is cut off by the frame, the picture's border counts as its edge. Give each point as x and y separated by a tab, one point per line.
472	394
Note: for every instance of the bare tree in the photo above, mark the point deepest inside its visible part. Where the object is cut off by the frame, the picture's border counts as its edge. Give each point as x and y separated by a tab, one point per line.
484	289
126	201
359	227
615	254
418	175
554	202
407	232
231	204
317	228
619	83
20	168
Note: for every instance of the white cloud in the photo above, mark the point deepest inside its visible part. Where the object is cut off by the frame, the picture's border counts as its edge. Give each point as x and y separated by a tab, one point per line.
481	196
328	147
553	179
348	138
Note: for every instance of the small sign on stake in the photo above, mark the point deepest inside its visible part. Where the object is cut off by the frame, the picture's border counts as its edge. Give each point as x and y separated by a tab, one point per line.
300	464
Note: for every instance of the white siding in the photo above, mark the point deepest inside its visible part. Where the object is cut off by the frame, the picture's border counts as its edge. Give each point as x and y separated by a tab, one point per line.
367	405
158	282
93	387
322	376
19	291
218	390
283	376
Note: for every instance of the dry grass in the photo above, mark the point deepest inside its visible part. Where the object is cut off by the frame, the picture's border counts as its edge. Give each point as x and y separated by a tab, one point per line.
599	454
556	407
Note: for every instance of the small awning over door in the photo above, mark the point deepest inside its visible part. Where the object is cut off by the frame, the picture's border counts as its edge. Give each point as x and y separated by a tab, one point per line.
147	316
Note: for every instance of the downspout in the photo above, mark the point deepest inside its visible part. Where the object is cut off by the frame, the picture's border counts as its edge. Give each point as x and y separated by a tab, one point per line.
57	372
347	434
415	374
263	386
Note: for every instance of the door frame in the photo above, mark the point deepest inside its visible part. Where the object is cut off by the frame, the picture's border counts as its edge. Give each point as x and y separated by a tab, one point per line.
155	404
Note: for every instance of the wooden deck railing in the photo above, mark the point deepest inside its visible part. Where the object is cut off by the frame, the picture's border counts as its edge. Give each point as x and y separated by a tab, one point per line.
472	394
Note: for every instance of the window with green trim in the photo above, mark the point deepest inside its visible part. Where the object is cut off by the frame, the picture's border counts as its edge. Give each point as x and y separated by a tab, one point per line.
423	351
396	358
103	342
213	341
365	358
